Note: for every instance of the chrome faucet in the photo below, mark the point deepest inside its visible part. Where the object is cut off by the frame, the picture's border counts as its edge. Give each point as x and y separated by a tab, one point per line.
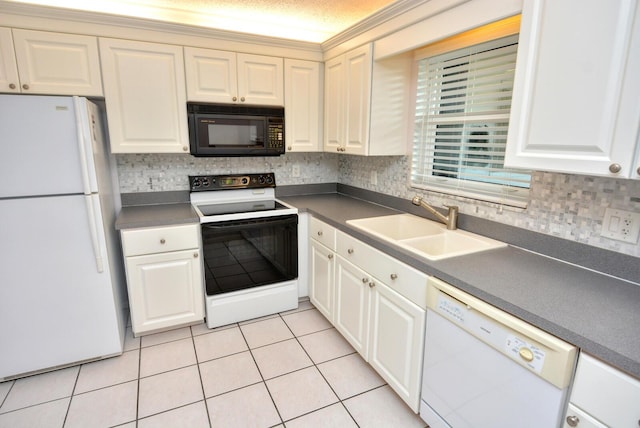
451	219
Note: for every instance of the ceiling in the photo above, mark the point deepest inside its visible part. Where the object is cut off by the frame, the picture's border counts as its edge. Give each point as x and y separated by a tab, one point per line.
306	20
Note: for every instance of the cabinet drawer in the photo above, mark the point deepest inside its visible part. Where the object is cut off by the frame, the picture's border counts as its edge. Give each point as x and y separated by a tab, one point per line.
160	239
323	233
605	393
405	280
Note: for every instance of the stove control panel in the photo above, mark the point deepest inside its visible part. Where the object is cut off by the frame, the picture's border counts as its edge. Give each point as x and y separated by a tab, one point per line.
203	183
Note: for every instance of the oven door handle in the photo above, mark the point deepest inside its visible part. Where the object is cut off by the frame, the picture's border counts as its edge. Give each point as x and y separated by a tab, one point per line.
228	226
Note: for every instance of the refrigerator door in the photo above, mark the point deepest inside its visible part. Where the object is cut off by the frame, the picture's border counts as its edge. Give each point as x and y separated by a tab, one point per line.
40	148
55	307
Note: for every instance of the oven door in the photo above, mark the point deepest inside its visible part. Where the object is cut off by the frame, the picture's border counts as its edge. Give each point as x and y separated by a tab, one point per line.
242	254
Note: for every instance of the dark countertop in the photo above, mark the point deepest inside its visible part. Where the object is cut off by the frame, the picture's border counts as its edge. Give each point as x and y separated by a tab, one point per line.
131	217
598	313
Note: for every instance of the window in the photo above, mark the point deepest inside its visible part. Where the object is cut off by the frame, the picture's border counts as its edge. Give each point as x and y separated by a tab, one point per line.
463	102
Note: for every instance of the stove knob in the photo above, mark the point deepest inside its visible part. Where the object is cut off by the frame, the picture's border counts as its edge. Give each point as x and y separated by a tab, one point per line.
245	180
269	179
261	180
205	182
196	182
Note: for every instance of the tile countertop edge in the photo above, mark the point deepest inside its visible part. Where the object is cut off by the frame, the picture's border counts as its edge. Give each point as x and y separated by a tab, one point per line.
550	294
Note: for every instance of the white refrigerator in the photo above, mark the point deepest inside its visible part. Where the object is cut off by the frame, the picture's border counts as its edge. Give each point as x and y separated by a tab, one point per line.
62	289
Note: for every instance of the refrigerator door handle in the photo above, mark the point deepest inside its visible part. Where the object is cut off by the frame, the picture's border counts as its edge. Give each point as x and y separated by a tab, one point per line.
82	143
93	231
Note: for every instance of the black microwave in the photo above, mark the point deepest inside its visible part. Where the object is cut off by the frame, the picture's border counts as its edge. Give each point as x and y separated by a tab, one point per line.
235	130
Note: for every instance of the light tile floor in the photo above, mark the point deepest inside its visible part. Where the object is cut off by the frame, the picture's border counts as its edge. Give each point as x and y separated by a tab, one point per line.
289	370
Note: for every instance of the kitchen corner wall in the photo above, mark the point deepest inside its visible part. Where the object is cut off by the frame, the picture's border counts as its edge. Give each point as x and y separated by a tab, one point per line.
562	205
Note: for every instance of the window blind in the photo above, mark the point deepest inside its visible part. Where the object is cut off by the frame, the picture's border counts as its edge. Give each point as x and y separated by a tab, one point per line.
463	102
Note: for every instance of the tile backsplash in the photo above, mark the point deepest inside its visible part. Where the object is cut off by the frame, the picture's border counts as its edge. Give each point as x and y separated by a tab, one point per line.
563	205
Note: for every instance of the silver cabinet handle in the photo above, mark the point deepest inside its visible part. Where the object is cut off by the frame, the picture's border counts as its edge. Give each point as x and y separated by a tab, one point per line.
195	255
234	99
638	171
372	284
242	99
365	280
25	87
573	421
319	233
615	168
185	148
393	276
350	251
162	241
289	148
12	85
330	256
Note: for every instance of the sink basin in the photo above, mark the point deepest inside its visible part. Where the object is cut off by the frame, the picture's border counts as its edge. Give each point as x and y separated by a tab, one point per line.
425	238
449	244
398	226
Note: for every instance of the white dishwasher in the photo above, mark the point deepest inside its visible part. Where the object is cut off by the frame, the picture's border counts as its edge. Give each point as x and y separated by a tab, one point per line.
484	368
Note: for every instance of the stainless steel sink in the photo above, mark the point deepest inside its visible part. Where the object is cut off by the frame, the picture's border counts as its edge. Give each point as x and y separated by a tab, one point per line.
424	237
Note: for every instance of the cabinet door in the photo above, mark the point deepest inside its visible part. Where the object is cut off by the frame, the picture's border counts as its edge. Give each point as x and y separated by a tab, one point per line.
322	279
303	105
574	105
580	419
211	75
397	342
334	111
55	63
145	96
351	314
357	99
165	290
260	80
8	69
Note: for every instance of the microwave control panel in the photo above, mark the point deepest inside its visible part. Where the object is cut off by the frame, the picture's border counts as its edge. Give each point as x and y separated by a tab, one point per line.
275	135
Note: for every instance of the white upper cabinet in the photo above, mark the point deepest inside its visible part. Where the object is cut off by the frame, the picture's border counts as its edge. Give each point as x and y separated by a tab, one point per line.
348	94
229	77
303	105
575	102
9	81
38	62
145	96
366	104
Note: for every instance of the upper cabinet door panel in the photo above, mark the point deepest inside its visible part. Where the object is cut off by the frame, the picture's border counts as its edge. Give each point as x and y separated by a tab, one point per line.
303	105
358	96
211	75
145	96
260	79
334	121
55	63
572	108
8	69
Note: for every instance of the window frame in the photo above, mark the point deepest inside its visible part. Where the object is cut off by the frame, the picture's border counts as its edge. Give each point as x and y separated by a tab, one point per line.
477	190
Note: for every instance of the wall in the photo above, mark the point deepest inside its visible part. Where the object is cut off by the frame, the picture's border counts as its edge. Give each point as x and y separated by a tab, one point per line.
562	205
166	172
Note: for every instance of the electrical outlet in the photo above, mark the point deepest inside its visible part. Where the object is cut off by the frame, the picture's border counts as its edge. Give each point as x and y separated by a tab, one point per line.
295	170
621	225
374	178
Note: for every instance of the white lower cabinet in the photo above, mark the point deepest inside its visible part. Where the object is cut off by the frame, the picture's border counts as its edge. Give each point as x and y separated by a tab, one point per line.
164	277
376	302
397	331
322	248
602	396
352	305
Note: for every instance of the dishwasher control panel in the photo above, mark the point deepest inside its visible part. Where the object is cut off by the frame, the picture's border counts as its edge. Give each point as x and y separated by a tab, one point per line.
493	333
538	351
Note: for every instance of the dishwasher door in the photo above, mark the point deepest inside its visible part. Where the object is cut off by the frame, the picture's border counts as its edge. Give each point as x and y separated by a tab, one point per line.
484	368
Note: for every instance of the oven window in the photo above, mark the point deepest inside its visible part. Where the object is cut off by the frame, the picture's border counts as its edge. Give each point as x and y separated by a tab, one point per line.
249	253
